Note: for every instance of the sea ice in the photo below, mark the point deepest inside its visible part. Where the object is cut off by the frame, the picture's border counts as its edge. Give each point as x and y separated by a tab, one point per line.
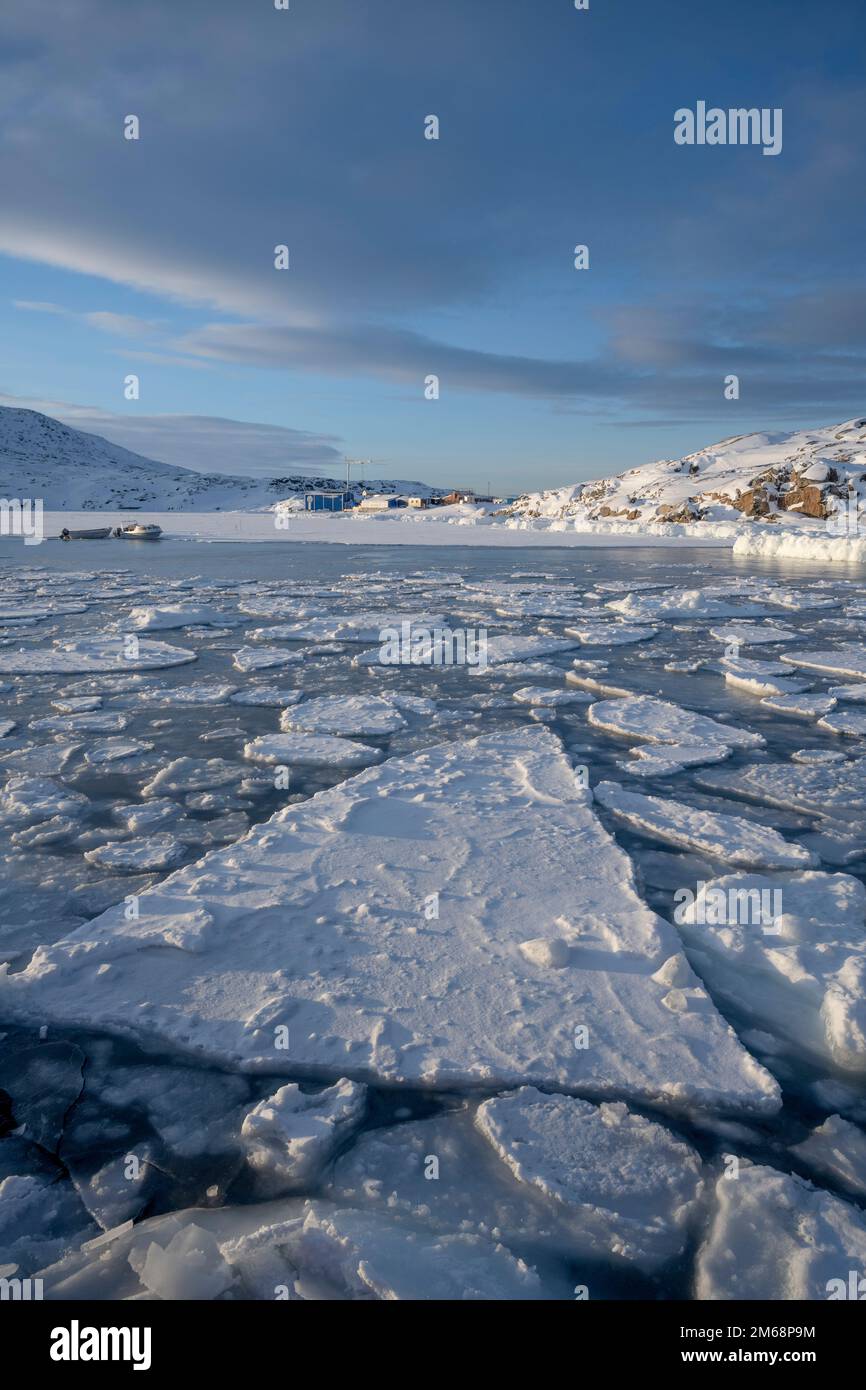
659	721
160	619
316	926
311	750
836	1150
610	634
799	975
628	1185
264	658
97	654
290	1136
731	838
851	722
775	1236
160	851
344	714
541	695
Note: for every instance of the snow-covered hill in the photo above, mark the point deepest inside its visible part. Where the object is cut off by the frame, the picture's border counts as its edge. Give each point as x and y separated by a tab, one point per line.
71	470
779	479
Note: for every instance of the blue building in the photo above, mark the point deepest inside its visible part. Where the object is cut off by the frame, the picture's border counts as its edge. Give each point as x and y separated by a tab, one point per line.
328	501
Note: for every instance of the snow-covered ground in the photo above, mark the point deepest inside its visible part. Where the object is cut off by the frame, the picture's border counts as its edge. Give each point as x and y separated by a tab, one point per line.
72	471
796	497
384	979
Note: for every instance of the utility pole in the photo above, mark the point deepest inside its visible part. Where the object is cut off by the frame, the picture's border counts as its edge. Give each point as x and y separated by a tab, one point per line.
355	463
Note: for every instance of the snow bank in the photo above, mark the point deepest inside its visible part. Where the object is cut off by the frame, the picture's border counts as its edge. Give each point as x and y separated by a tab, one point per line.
818	549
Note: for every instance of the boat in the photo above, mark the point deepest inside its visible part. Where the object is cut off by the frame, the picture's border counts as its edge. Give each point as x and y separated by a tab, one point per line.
98	533
138	531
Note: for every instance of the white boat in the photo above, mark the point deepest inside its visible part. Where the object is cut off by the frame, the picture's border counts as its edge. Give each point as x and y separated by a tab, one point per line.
138	531
96	534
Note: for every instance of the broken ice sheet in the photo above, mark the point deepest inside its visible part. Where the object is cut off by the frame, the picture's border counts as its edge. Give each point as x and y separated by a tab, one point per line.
802	980
314	921
292	1249
775	1236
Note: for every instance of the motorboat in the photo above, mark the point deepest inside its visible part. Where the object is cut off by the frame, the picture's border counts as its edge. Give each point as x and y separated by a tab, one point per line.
98	533
138	531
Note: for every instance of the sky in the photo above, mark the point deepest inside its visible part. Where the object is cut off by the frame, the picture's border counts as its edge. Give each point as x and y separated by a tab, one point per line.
411	258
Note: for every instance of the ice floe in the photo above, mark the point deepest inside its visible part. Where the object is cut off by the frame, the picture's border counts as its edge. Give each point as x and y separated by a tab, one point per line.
847	660
160	851
93	654
317	923
311	750
730	838
836	1150
660	721
344	714
264	658
797	970
628	1185
289	1136
775	1236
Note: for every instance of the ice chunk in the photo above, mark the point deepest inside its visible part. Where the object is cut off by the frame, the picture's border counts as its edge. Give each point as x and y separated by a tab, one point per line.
161	851
847	660
800	706
764	685
190	1267
350	627
836	1150
40	1218
659	721
193	775
28	800
311	750
155	618
290	1136
789	953
610	634
851	722
507	648
666	759
93	654
752	634
110	750
317	921
542	695
731	838
269	696
631	1185
675	604
344	714
834	789
264	658
96	722
292	1249
775	1236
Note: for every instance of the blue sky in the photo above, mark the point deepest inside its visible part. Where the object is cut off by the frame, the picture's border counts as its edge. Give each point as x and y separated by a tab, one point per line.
412	257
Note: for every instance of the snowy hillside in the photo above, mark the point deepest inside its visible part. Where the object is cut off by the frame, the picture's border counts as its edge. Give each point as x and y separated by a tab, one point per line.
772	478
71	470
